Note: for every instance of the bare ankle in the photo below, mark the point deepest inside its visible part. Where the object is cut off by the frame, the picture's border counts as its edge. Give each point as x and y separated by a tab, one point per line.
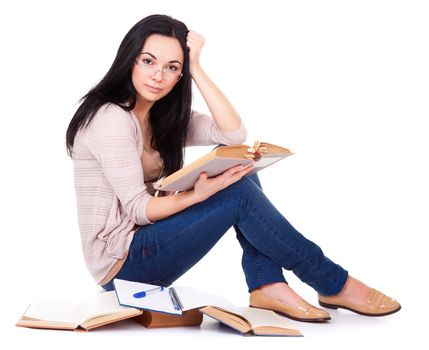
272	286
354	290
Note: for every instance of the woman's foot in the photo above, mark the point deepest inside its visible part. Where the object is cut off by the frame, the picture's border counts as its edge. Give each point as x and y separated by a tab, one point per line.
279	297
358	297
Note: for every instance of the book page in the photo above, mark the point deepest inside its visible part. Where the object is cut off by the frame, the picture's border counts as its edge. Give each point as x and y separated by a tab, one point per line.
266	160
104	303
75	312
192	298
264	318
57	312
227	318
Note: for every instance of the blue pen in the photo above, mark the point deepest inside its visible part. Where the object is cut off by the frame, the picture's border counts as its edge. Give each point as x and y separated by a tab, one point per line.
147	292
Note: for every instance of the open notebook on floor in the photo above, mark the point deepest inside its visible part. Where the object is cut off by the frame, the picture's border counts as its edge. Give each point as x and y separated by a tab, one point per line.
173	300
176	300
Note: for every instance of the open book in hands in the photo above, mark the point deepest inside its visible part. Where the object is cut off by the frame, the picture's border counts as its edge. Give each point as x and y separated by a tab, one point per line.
219	160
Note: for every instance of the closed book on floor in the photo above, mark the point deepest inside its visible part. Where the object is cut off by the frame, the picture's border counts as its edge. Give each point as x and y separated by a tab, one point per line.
252	321
220	159
99	310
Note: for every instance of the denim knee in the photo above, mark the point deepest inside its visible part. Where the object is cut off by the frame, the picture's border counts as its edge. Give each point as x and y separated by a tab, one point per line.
243	189
255	178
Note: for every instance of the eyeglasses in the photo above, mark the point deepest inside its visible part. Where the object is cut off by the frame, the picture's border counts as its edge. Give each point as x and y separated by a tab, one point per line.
149	68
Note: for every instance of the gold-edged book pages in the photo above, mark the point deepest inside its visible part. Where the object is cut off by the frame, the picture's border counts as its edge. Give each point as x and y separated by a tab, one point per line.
98	311
253	321
222	158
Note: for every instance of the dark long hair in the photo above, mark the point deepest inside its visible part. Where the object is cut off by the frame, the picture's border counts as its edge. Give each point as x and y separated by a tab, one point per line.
169	117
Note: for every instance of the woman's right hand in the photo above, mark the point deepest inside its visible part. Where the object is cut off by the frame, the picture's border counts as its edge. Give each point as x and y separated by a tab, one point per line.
204	187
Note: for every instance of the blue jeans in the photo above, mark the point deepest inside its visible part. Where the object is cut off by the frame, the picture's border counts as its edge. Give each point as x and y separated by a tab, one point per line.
162	252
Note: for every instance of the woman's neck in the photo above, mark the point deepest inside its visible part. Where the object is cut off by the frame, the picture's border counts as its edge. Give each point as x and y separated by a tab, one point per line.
142	109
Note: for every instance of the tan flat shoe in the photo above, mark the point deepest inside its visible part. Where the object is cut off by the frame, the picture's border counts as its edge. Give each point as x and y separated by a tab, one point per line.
304	312
377	304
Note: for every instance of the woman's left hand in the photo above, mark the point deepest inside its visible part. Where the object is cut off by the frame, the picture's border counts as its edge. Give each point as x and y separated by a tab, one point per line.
195	42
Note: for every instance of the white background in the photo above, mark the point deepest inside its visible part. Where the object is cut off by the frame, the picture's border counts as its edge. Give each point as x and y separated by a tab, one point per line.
343	84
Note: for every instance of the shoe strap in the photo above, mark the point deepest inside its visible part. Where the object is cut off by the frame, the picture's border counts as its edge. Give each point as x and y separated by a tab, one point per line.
305	306
374	299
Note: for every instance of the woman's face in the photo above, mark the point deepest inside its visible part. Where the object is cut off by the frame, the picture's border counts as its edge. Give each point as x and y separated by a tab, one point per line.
157	68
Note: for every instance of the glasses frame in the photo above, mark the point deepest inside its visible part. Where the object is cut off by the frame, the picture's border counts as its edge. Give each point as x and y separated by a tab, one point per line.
142	65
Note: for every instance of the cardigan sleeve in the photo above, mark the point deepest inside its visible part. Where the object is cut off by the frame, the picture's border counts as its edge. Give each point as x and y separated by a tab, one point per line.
203	131
112	139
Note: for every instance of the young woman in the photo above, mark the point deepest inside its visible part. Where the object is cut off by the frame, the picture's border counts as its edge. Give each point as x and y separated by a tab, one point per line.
130	130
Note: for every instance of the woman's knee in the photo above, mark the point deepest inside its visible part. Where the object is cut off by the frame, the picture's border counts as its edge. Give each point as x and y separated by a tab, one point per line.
255	178
244	187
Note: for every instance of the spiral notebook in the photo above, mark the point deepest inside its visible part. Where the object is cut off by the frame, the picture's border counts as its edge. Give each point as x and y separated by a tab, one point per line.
173	300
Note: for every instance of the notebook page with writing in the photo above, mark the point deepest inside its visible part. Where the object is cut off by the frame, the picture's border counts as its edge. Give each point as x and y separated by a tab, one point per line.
159	301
